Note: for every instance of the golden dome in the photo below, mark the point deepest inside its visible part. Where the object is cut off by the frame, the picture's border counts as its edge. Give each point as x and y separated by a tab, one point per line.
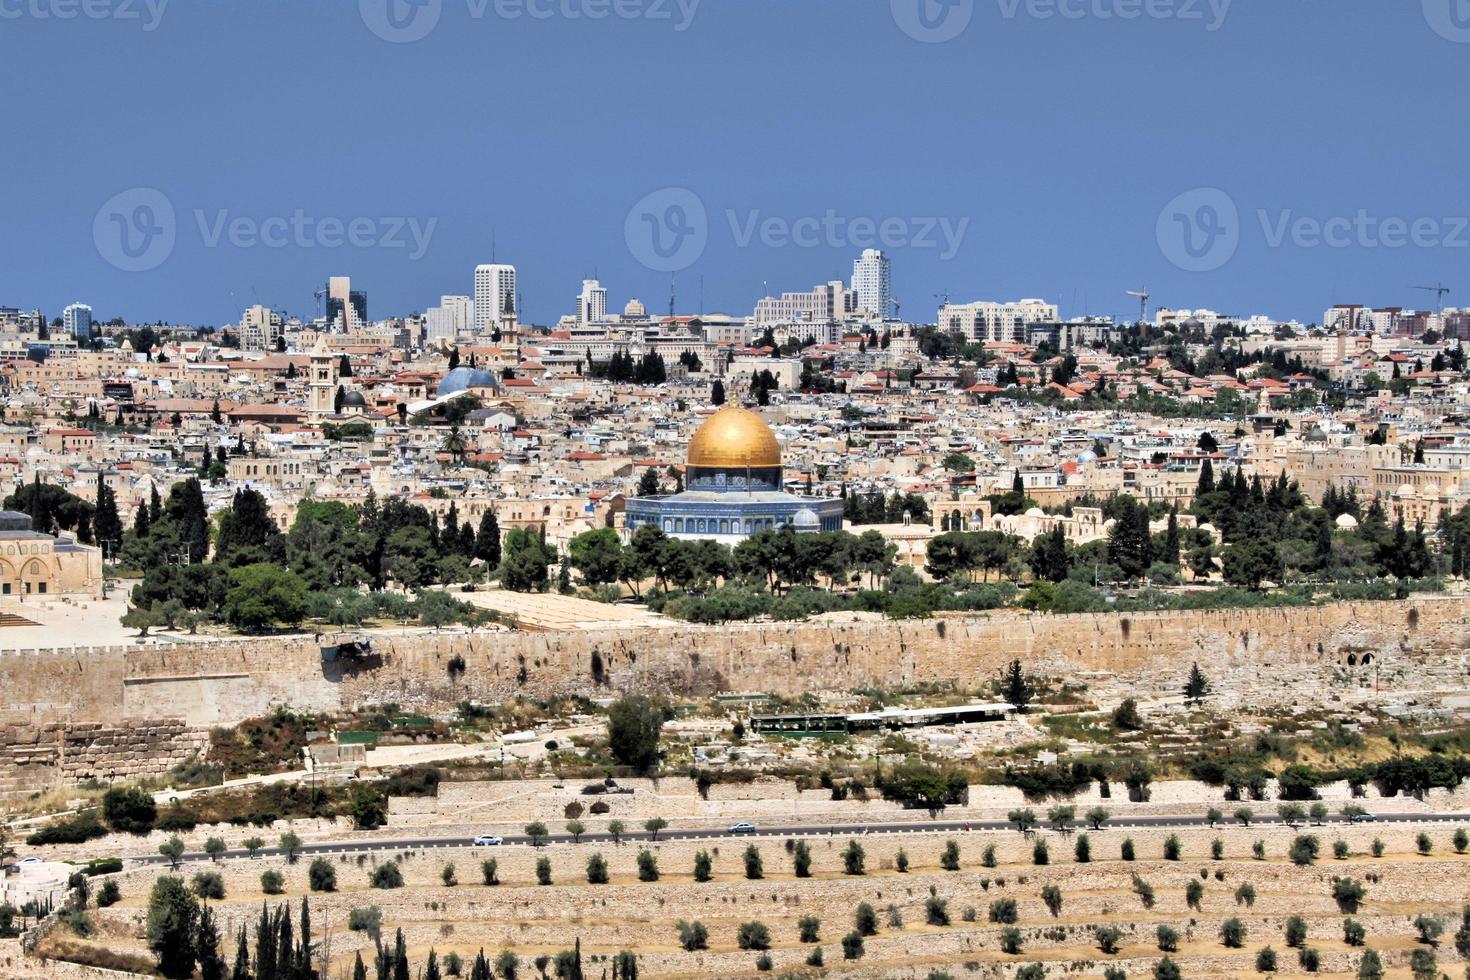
734	437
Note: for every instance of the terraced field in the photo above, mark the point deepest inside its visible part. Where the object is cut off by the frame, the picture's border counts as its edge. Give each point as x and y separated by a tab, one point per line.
927	918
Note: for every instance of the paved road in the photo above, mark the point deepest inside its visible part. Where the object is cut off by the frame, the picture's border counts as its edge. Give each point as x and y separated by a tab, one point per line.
351	846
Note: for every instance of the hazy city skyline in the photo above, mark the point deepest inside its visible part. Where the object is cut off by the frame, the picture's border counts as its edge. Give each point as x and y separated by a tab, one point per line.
1067	144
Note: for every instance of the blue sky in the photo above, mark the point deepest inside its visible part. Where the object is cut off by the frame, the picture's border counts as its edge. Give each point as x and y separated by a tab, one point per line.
1048	143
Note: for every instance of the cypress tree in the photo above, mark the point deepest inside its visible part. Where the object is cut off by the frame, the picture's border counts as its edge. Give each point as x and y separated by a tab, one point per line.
1171	539
487	542
1206	479
206	945
242	958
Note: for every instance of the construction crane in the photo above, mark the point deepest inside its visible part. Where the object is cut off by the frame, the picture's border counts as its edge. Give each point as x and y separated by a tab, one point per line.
943	298
1142	297
895	305
1440	292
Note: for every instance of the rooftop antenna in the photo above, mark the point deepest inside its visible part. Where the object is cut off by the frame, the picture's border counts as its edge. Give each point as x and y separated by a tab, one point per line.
1440	292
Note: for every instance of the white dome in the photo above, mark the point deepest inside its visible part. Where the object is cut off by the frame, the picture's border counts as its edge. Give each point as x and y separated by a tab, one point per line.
1346	521
805	518
1036	512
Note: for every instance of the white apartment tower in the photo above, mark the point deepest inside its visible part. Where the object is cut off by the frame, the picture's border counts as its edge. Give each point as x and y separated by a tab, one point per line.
592	303
78	321
495	298
871	282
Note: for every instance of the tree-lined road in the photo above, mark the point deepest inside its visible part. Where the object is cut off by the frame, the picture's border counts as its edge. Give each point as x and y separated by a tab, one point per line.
804	830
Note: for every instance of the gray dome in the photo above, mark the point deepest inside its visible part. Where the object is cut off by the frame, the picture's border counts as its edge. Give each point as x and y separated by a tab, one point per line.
354	399
462	378
805	518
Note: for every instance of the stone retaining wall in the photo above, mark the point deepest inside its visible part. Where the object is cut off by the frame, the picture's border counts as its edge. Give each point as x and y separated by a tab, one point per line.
205	684
34	758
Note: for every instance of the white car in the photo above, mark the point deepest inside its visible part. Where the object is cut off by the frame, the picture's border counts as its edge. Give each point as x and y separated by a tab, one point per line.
29	860
487	840
743	828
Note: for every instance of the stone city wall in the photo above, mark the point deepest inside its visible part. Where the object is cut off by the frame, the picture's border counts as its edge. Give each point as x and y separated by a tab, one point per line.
208	684
56	754
792	658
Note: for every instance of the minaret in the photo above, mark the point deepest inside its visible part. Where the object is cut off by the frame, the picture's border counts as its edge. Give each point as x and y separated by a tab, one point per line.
323	380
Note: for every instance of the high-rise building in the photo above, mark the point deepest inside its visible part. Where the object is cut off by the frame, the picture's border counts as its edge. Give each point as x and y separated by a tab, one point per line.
870	280
592	303
260	326
495	298
346	307
982	322
78	320
452	317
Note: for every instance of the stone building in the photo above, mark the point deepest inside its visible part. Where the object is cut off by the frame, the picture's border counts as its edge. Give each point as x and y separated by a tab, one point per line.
32	563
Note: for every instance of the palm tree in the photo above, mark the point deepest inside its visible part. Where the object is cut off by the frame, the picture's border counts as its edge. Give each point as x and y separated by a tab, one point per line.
454	443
